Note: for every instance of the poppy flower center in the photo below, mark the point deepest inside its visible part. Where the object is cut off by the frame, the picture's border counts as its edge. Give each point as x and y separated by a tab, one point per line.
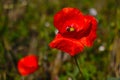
70	29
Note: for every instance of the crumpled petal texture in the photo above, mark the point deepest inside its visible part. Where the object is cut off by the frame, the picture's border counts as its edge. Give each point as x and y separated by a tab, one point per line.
83	31
27	65
71	46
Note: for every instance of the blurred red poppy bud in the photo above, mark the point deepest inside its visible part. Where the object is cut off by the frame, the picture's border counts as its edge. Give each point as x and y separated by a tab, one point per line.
27	65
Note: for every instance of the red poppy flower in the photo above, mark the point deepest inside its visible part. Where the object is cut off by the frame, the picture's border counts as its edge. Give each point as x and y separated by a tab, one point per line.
75	31
27	65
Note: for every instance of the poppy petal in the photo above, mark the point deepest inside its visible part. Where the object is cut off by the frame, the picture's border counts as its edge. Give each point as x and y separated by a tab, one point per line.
88	40
71	46
66	14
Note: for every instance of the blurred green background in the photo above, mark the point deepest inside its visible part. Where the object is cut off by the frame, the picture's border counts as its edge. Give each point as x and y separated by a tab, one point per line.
26	27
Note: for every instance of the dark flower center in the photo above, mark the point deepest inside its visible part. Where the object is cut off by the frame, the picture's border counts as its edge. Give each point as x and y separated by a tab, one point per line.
70	29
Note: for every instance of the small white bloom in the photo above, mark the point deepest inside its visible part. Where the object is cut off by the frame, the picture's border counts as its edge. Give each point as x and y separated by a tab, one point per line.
47	24
56	31
69	78
101	48
93	11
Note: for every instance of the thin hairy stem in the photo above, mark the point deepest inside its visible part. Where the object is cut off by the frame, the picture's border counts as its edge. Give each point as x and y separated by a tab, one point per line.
78	66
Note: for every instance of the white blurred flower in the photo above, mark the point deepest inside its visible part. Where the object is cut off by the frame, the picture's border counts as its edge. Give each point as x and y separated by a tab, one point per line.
93	11
69	78
101	48
47	24
56	31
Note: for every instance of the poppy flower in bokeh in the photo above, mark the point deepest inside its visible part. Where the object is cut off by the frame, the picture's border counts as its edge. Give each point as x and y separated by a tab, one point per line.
75	31
27	65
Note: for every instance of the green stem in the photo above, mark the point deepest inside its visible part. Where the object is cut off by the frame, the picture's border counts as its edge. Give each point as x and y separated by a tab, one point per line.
22	78
77	64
